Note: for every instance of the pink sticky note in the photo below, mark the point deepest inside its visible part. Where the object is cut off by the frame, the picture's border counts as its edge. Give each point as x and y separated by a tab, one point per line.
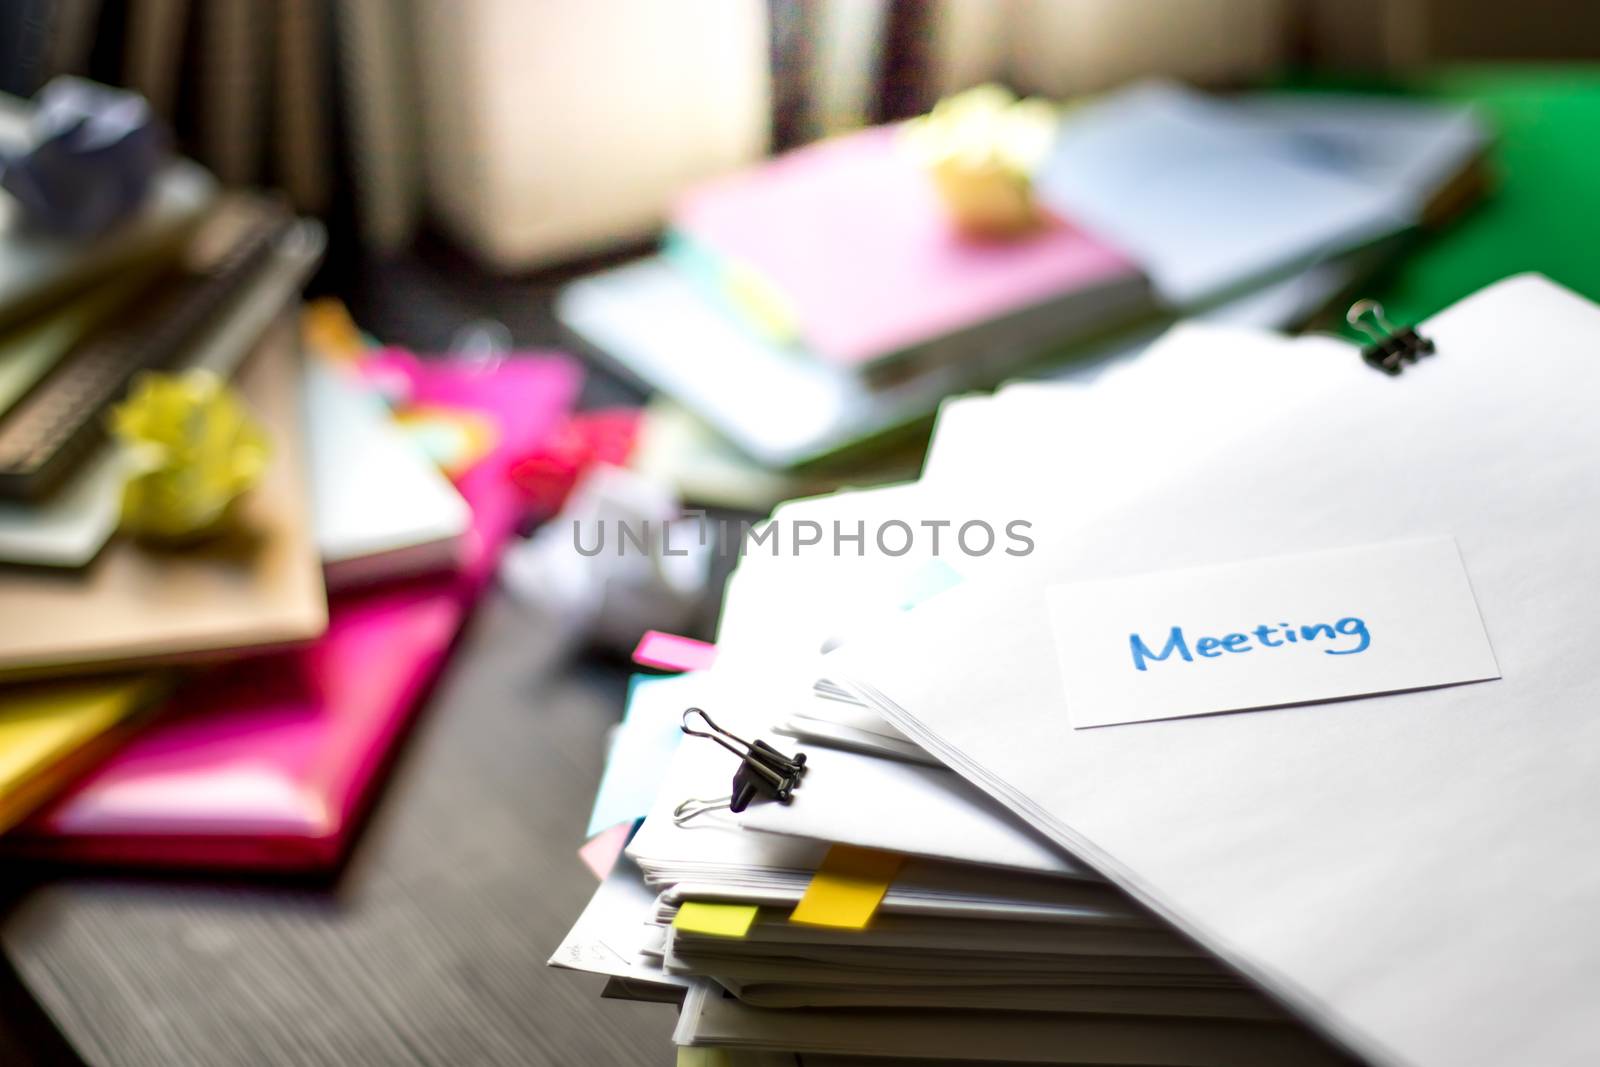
851	233
600	852
669	652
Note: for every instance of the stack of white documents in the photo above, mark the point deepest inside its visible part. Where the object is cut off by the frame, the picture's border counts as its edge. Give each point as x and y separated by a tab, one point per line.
1259	732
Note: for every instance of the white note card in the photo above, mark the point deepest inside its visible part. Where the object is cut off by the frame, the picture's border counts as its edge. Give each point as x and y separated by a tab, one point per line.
1267	633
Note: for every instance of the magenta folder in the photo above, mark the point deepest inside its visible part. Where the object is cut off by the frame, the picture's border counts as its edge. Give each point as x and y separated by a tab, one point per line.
267	765
850	237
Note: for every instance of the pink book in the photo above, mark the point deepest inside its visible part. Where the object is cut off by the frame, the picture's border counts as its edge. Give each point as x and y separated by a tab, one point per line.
850	236
268	764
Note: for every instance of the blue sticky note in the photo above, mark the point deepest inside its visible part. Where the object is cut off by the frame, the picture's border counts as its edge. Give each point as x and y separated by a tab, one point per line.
929	580
641	748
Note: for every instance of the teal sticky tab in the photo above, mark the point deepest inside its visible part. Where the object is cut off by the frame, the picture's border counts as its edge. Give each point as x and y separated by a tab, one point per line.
643	745
929	580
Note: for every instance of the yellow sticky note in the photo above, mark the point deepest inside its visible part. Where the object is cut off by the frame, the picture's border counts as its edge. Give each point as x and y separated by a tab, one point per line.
719	920
702	1057
847	888
762	303
54	731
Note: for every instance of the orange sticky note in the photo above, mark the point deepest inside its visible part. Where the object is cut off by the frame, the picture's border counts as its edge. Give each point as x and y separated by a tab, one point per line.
719	920
326	327
847	888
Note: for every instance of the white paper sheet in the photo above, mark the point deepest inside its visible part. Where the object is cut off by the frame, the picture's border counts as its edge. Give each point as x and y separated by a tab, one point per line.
383	508
1412	146
711	1019
610	933
906	807
1413	872
1203	198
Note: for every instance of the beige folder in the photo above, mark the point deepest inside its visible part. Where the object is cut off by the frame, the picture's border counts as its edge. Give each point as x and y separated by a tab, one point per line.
255	588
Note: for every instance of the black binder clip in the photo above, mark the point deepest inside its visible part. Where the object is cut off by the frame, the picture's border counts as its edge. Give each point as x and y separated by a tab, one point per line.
1392	347
763	770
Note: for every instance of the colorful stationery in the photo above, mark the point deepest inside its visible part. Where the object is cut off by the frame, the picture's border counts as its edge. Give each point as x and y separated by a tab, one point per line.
641	745
848	239
671	652
1254	209
267	765
719	920
383	509
847	888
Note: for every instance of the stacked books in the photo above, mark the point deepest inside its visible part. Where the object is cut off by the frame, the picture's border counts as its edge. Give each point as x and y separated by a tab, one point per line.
1165	720
227	700
812	311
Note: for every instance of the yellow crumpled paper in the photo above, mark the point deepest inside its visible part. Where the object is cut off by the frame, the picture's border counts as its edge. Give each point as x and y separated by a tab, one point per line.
980	147
193	449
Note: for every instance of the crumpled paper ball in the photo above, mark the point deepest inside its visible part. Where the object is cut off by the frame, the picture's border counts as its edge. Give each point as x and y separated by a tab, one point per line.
193	449
611	596
980	147
95	152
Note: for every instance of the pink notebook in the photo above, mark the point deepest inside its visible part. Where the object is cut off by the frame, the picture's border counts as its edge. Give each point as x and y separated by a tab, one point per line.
268	764
850	236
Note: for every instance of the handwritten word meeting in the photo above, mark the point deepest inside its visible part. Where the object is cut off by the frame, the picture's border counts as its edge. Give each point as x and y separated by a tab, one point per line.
1279	636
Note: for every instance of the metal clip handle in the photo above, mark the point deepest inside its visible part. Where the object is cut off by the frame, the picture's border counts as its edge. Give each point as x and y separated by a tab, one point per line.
1392	346
763	770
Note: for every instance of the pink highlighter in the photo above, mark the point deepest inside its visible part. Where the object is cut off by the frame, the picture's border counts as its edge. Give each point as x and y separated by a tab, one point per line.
268	764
